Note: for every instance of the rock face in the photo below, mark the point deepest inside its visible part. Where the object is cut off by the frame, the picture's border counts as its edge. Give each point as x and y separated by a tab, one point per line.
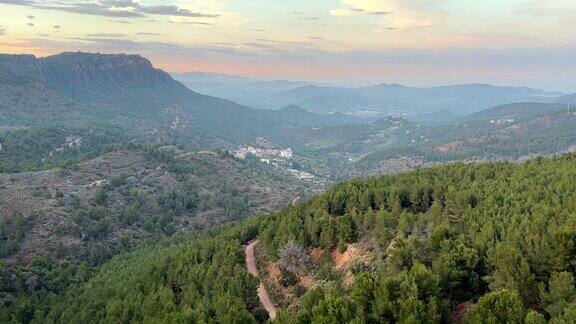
87	75
82	73
24	65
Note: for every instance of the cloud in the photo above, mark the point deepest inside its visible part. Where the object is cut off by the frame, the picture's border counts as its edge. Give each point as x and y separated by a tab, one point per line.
2	30
174	11
193	23
111	35
220	43
339	12
18	2
93	9
148	34
380	13
402	14
120	21
561	13
280	41
113	8
535	8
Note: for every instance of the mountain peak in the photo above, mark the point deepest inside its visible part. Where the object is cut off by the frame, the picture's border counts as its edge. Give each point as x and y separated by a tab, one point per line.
87	63
85	74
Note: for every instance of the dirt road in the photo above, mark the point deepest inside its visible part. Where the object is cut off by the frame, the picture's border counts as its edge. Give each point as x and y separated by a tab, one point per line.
262	292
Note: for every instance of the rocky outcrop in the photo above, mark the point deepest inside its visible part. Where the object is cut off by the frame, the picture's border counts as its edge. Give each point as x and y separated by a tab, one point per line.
74	72
87	75
23	65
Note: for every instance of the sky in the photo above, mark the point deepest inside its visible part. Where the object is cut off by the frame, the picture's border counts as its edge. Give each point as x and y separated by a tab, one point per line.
413	42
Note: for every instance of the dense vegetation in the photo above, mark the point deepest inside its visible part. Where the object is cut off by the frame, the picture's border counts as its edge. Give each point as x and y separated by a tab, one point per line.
38	148
105	205
501	236
479	242
197	277
547	134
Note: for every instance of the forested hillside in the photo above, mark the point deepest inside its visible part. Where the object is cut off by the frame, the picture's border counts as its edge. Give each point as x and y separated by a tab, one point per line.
487	243
512	133
96	208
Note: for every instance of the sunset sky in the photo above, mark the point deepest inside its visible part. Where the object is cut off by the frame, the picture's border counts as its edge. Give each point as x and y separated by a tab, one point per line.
416	42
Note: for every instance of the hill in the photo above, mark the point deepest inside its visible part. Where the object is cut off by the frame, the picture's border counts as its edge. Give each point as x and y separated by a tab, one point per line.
513	111
378	100
197	77
250	92
543	130
128	90
93	209
385	99
304	118
465	242
26	101
569	99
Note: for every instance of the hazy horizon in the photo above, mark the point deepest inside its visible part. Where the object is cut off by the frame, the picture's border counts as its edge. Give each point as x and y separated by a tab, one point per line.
416	42
357	84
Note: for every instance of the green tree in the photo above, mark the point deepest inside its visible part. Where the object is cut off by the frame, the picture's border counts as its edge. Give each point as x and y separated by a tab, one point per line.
503	306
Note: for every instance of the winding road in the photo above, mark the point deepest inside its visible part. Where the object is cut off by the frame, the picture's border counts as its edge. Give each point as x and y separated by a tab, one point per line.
262	292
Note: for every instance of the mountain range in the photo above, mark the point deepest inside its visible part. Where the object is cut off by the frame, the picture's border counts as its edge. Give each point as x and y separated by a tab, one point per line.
82	89
378	100
129	90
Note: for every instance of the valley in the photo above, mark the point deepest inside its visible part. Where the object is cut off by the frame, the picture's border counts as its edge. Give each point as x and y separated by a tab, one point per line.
126	196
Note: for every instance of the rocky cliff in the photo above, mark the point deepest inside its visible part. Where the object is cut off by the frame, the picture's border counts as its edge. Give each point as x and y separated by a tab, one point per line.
23	65
86	76
87	73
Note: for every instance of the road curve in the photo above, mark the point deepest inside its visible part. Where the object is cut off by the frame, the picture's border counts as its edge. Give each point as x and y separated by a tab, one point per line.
262	292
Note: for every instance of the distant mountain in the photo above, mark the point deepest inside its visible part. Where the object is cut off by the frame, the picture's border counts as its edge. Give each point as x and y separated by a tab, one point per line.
399	99
515	111
206	77
463	91
303	117
377	101
568	99
246	91
325	99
